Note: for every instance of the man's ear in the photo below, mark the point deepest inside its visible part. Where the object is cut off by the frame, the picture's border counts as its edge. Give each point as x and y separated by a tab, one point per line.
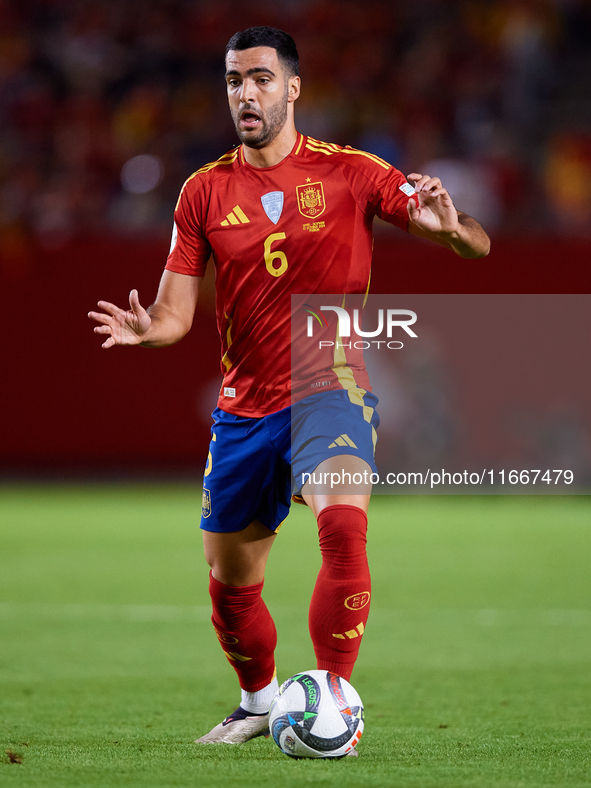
293	88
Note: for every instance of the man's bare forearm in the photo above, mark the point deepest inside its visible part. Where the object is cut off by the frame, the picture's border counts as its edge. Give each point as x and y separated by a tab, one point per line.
166	327
172	313
469	240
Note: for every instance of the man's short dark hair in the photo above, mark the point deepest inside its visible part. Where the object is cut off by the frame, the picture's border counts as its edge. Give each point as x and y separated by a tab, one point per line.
263	36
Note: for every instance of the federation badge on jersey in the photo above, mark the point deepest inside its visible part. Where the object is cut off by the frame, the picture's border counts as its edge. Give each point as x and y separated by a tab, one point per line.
311	201
408	189
273	205
206	503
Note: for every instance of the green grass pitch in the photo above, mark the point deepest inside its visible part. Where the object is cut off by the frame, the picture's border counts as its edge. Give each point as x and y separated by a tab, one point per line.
475	668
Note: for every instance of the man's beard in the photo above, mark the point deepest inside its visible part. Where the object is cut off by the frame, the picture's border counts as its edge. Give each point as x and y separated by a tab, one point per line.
271	125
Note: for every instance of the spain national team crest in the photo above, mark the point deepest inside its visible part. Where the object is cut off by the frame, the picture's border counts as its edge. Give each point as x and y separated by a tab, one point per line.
206	503
311	199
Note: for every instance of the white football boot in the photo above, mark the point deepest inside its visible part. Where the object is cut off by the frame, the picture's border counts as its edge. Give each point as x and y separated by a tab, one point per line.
241	726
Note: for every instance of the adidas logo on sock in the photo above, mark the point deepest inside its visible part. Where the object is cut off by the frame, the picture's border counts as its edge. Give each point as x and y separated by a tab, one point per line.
352	633
236	216
342	440
234	655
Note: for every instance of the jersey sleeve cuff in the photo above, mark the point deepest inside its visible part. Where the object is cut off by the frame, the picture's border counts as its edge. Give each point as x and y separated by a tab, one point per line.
178	268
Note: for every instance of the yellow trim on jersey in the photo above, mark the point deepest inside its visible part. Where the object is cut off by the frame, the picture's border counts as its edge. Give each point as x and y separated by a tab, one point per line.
346	378
328	150
299	145
322	149
225	360
190	178
330	145
227	158
353	152
372	156
338	149
368	284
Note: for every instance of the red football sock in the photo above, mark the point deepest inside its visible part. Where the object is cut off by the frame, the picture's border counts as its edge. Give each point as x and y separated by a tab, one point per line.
246	632
340	602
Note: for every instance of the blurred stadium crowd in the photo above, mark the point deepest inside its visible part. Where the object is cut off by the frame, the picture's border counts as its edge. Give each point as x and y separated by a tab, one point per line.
106	107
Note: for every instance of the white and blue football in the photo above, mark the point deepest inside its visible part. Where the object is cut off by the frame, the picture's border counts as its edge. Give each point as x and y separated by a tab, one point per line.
316	714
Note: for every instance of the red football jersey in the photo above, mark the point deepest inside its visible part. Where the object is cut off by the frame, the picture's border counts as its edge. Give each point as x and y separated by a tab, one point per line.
302	226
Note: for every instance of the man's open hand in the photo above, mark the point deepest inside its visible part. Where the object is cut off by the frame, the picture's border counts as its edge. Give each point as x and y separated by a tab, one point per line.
122	328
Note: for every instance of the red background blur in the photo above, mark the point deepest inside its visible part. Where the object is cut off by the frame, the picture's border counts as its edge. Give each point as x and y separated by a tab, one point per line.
69	406
106	108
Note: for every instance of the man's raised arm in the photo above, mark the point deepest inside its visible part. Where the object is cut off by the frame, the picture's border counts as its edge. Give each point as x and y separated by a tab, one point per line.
165	322
436	218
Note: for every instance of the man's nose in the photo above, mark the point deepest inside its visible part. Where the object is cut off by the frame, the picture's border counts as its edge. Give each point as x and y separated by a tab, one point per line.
247	93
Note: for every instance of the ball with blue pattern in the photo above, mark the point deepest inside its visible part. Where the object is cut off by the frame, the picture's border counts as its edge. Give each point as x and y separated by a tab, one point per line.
316	714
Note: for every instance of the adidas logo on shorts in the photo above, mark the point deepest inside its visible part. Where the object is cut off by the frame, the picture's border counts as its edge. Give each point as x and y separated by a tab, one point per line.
342	440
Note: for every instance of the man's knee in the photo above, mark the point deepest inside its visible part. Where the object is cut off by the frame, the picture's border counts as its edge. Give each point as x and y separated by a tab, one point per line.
238	558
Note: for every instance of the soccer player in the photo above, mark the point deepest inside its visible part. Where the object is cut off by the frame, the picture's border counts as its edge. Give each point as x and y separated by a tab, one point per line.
281	213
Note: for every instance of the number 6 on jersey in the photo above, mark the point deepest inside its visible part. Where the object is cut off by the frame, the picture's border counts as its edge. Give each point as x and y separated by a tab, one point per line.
270	256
